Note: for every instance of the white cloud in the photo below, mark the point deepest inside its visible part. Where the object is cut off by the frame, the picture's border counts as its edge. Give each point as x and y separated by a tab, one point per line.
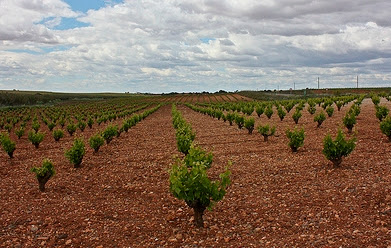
161	45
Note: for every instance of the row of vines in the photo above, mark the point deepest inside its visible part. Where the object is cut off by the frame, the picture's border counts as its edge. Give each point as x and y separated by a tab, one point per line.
244	116
106	120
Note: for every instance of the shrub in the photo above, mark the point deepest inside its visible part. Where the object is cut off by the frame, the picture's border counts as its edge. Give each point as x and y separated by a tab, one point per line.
296	138
8	145
239	120
385	127
20	132
266	131
296	116
281	113
81	125
339	105
96	141
249	124
71	128
109	133
8	127
311	110
349	121
62	122
230	117
337	149
76	153
289	106
269	111
194	187
196	155
259	110
36	126
320	118
185	138
248	110
381	112
355	109
330	111
375	99
120	130
58	134
90	122
218	114
35	138
51	125
44	173
300	106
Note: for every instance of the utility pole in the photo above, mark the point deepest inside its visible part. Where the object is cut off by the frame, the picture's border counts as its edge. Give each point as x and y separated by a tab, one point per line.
357	81
294	86
318	83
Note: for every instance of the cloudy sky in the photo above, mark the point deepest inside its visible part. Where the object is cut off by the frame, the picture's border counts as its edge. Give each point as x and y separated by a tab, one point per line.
194	45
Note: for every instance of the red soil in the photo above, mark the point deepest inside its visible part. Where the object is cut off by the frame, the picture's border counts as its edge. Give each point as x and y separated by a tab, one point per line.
120	196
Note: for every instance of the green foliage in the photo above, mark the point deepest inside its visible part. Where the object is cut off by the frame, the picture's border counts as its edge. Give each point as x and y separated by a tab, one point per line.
71	128
185	137
8	127
198	155
296	138
81	125
192	185
90	122
259	110
51	125
289	106
230	117
269	111
296	116
355	109
184	134
44	173
385	127
58	134
381	112
248	110
319	118
62	122
349	121
266	131
375	99
339	105
300	106
109	133
96	141
239	120
8	145
249	124
36	126
311	110
281	113
76	153
330	111
35	138
20	132
334	150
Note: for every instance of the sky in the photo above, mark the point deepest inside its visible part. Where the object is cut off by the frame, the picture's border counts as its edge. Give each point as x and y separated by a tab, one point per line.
193	45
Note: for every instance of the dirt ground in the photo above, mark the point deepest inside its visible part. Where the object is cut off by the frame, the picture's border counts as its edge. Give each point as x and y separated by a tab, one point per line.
120	196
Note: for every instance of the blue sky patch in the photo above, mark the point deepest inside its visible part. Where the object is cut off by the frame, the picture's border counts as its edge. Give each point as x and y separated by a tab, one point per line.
85	5
206	39
70	23
44	50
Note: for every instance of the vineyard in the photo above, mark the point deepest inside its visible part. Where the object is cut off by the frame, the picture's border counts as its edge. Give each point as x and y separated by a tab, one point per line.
143	172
